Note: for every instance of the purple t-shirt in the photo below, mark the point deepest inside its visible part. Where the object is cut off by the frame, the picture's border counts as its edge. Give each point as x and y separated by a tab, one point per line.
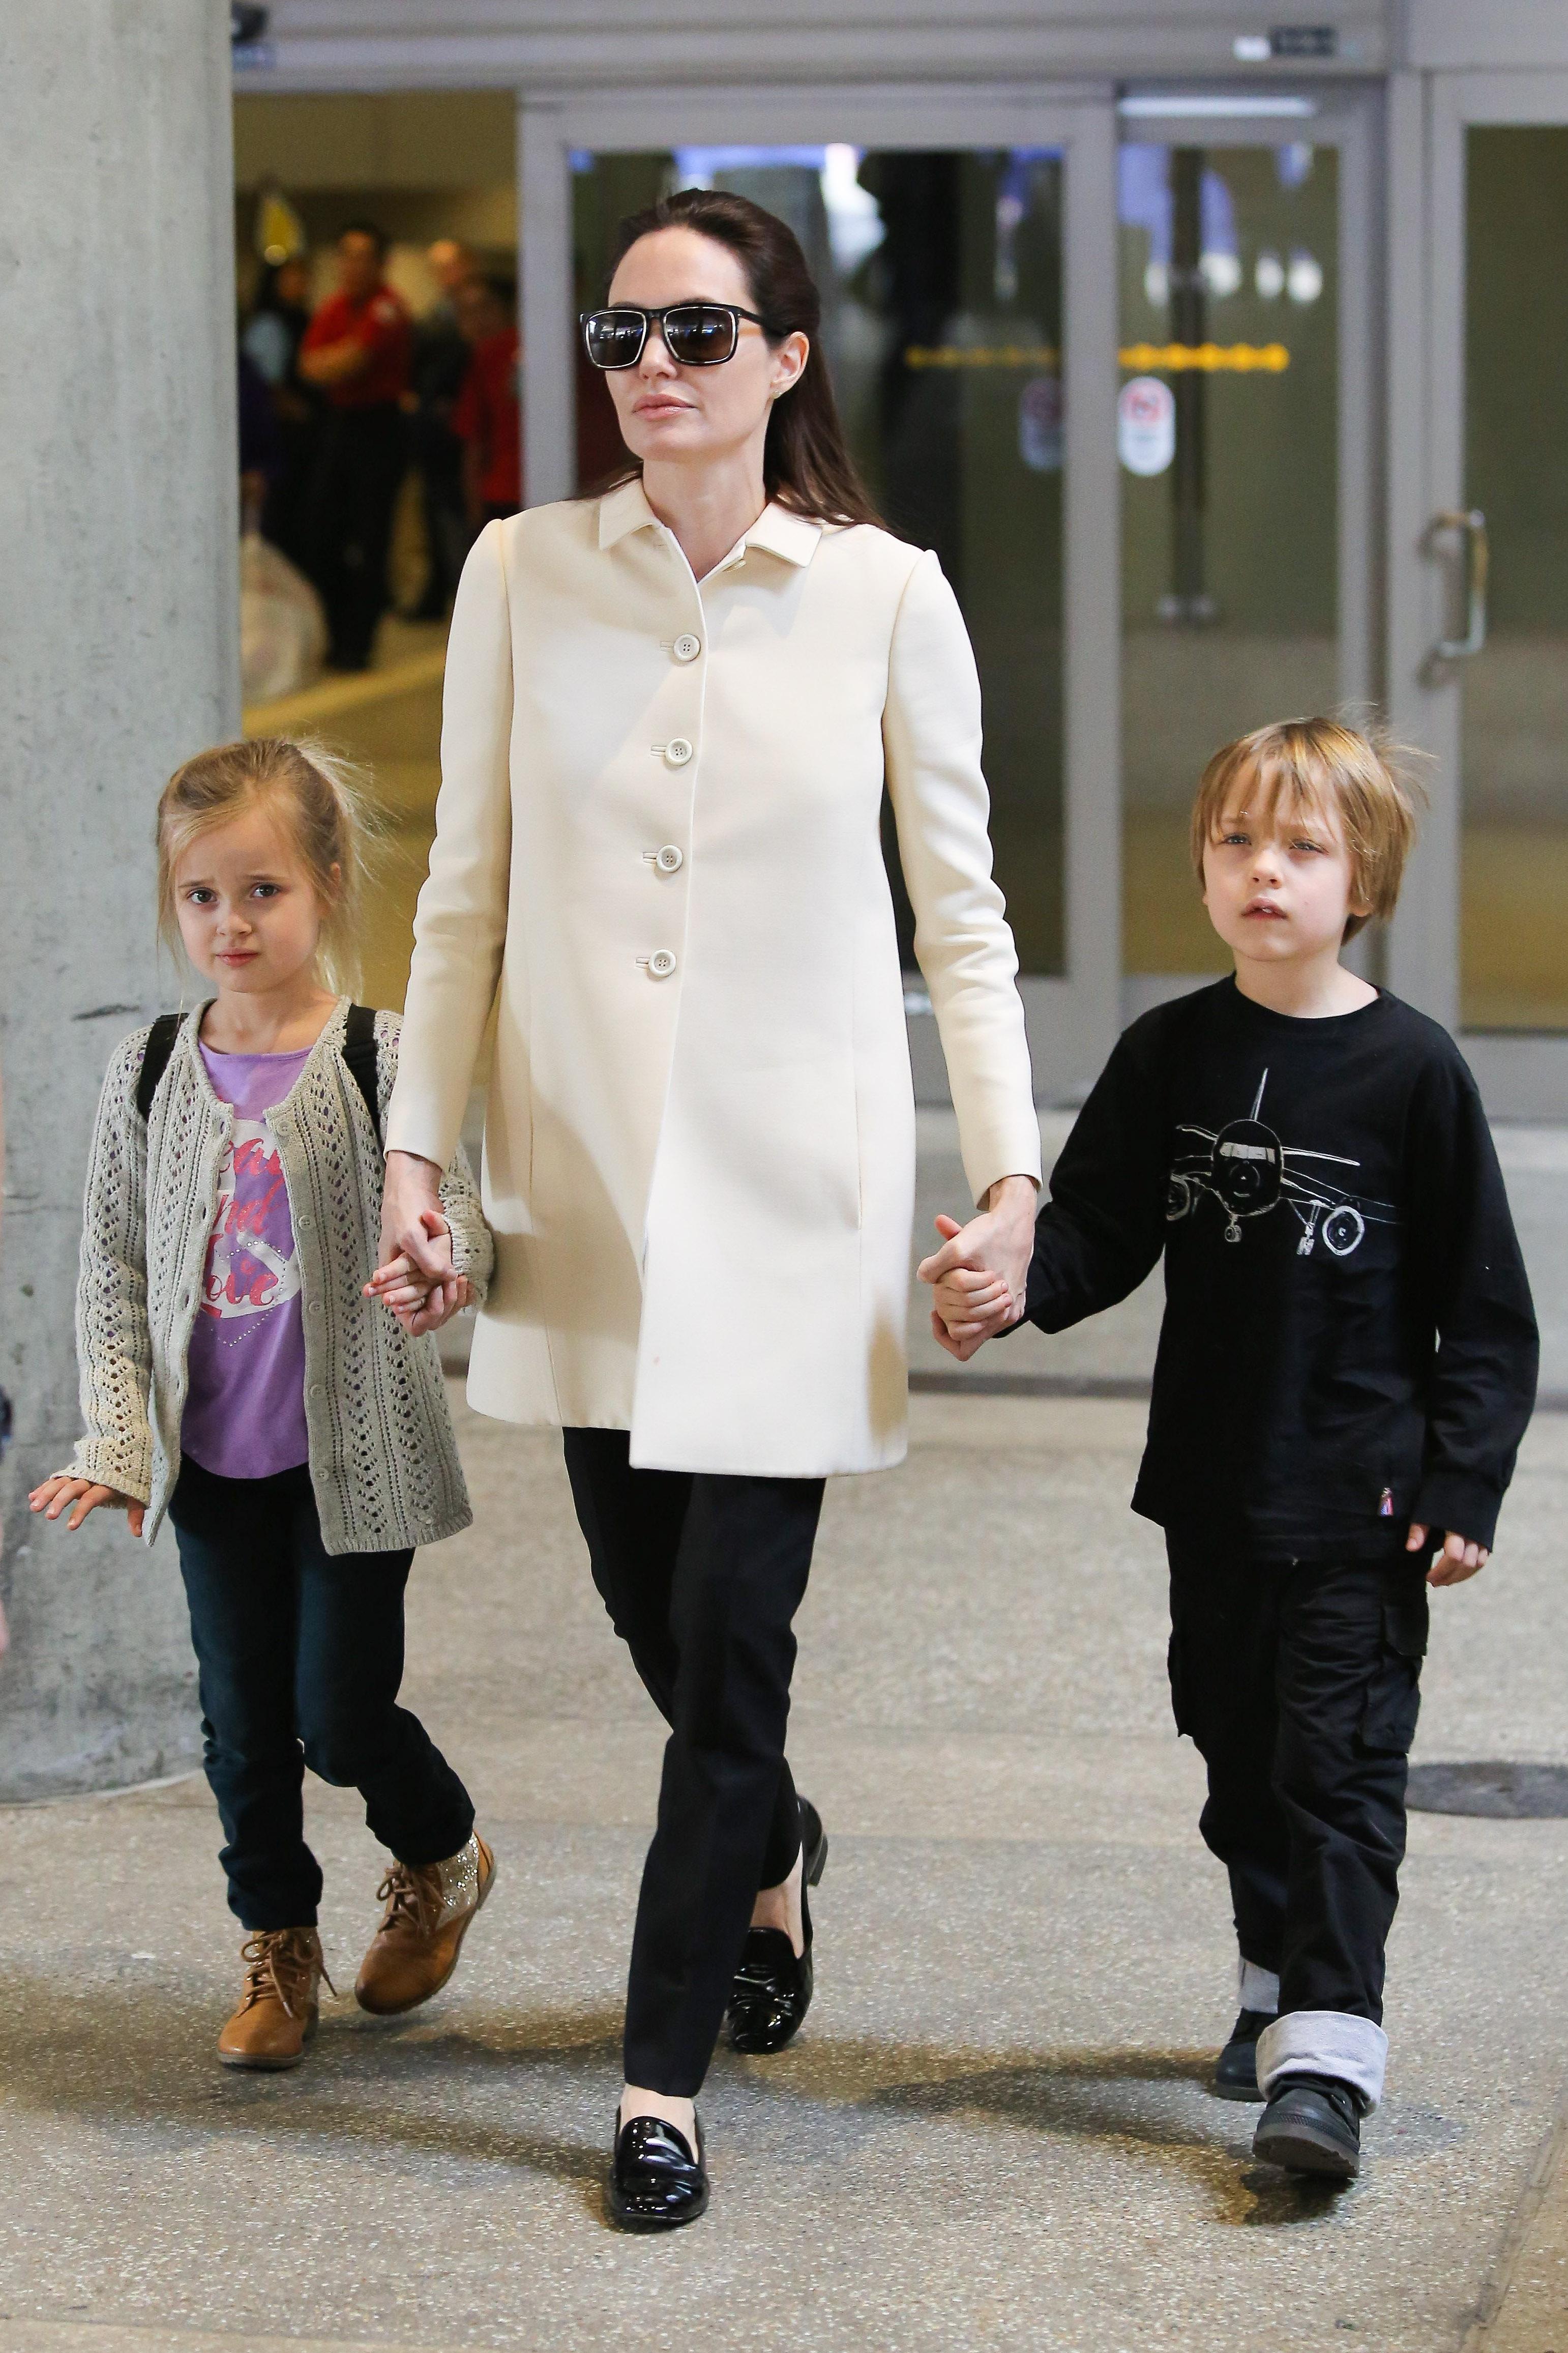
245	1406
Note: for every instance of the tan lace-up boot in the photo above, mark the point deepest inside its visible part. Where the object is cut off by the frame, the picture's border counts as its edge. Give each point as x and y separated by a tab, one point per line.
429	1911
279	2008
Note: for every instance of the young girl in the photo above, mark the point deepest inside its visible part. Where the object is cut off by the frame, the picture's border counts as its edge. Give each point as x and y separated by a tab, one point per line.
239	1372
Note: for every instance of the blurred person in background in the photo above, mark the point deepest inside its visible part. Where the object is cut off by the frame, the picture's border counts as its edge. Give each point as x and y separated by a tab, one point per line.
440	363
488	418
358	351
260	450
271	340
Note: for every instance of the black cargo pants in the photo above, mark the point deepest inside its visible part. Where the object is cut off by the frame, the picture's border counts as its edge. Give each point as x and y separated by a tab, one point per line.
1300	1684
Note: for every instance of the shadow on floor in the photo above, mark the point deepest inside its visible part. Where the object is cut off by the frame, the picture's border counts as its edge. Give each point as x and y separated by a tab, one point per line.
414	2088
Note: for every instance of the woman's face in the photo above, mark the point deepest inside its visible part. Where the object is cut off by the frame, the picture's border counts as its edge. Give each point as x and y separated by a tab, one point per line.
686	416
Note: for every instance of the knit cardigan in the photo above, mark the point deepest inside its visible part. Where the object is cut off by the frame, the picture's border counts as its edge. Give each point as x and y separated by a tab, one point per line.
383	1455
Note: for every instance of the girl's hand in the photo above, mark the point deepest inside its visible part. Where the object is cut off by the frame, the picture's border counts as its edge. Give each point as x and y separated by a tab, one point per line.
399	1285
419	1304
85	1495
1457	1560
435	1307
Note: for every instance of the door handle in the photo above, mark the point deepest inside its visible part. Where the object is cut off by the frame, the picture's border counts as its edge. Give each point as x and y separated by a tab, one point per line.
1471	525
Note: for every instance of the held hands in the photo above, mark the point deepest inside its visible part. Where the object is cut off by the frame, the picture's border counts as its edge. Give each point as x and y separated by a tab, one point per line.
1457	1560
414	1277
85	1495
979	1273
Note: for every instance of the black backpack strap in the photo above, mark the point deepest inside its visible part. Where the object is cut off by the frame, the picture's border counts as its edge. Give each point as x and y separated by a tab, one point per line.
358	1053
155	1060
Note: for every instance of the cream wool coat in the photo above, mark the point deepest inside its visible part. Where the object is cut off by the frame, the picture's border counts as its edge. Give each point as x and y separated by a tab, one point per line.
657	856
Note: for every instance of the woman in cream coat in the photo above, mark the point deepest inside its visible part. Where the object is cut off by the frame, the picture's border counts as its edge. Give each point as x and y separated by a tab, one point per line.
669	714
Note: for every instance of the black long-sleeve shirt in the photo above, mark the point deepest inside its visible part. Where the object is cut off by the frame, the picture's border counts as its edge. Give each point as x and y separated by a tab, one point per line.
1348	1340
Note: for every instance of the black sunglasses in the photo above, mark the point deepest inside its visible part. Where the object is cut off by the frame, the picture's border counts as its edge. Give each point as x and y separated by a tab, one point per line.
696	334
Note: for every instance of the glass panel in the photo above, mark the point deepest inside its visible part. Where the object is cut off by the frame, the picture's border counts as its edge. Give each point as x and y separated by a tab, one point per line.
1514	757
941	300
1228	427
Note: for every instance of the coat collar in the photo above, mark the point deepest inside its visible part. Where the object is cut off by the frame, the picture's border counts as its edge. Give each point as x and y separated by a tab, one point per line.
792	536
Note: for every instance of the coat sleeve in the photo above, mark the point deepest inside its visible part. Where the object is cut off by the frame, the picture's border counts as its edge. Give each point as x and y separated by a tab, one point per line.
473	1245
113	1342
1103	1226
459	930
1471	1274
931	733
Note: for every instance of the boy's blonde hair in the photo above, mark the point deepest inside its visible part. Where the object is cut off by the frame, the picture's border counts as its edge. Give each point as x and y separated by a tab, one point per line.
321	798
1319	764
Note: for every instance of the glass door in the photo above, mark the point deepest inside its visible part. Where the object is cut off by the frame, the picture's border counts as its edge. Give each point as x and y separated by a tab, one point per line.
946	280
1481	599
1243	436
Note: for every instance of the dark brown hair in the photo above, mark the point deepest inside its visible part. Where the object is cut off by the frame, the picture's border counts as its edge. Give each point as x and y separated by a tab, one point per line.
807	465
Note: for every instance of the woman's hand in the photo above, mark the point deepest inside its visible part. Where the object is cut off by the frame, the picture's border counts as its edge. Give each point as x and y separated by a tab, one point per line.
413	1229
85	1495
1457	1560
981	1271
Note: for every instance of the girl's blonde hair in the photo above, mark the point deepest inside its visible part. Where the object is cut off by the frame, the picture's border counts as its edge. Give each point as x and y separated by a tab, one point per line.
321	798
1319	763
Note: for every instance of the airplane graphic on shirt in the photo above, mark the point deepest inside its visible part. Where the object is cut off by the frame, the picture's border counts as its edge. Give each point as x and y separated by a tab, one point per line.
1247	1170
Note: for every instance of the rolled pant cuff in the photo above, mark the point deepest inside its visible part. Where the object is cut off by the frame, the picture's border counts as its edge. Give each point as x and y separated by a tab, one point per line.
1324	2043
1258	1988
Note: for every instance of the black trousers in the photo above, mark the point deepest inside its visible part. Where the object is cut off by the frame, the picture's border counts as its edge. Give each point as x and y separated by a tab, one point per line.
702	1576
359	468
300	1655
1300	1684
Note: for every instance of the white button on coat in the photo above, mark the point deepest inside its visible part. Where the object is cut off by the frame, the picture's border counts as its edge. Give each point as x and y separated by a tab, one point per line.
669	860
702	1197
678	751
686	648
661	964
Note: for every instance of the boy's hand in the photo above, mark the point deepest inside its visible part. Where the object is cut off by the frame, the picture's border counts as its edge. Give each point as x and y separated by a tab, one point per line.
980	1272
1457	1560
85	1495
969	1304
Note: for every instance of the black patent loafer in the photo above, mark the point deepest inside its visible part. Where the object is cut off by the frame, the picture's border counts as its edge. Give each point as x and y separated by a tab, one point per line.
1311	2125
656	2183
772	1987
1235	2069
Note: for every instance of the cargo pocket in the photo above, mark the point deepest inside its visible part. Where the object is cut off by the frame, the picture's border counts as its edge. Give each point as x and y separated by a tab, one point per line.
1394	1696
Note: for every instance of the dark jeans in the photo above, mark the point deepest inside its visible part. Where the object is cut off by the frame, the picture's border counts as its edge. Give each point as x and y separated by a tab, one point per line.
300	1655
702	1576
359	469
1299	1683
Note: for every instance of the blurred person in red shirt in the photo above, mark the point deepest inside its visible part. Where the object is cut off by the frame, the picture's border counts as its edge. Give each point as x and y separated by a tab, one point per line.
441	354
487	418
358	351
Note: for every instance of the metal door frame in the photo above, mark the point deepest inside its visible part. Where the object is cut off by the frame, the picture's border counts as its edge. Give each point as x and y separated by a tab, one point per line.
1350	120
1072	1020
1521	1075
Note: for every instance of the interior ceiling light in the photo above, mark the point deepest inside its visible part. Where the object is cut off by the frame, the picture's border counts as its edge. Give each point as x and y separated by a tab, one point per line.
1221	103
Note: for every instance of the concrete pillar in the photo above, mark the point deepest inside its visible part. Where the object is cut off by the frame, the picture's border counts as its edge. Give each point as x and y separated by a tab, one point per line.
118	657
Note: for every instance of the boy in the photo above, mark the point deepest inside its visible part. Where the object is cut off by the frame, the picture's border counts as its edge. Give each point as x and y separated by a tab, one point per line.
1346	1367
